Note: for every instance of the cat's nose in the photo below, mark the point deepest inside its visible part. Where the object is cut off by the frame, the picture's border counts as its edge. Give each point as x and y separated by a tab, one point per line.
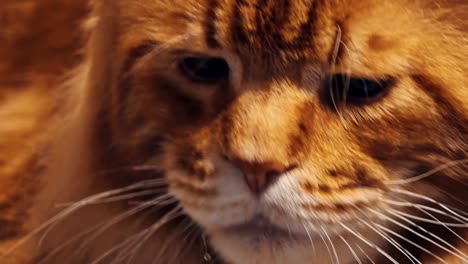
260	175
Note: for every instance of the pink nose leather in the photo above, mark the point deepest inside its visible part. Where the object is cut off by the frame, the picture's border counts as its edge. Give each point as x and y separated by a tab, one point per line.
260	175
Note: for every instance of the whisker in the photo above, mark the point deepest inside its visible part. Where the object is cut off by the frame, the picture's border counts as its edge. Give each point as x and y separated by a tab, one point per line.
423	208
389	239
443	224
414	232
310	238
121	217
429	173
328	248
425	220
430	200
370	244
134	195
365	254
182	227
358	260
394	243
53	221
455	250
136	247
332	246
165	219
410	242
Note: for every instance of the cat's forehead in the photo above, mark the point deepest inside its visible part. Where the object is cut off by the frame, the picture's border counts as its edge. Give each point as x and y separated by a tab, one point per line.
276	33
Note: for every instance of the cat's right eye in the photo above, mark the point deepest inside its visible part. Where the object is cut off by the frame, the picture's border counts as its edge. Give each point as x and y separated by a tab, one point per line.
205	69
357	90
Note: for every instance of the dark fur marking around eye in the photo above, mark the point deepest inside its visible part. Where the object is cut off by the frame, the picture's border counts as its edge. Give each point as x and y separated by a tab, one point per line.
210	24
135	53
451	114
237	28
306	30
226	126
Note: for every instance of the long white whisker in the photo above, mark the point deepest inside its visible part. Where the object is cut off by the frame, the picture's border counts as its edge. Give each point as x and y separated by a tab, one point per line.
331	244
397	245
454	250
122	217
310	238
414	232
358	260
432	201
429	173
50	224
444	224
365	254
425	220
328	248
410	242
165	219
424	208
363	239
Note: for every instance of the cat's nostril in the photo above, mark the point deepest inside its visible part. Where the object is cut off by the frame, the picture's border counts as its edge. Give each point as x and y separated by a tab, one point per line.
272	174
260	175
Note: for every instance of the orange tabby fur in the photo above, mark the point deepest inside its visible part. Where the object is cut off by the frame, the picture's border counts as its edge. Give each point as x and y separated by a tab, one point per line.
128	115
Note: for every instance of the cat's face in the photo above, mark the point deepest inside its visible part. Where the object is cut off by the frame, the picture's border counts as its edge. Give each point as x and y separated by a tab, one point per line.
284	123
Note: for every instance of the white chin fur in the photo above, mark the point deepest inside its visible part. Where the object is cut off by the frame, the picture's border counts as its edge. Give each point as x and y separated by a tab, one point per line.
237	249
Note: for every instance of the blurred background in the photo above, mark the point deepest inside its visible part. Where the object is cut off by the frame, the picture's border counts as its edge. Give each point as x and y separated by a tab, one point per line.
39	39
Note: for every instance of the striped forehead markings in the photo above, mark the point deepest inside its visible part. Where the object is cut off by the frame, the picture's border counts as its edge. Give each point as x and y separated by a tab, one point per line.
210	24
271	17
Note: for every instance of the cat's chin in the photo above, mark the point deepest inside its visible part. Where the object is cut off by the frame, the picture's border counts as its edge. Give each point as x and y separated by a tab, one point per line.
259	241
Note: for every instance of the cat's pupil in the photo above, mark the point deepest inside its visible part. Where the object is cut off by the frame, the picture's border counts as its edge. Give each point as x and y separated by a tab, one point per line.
355	90
205	69
363	88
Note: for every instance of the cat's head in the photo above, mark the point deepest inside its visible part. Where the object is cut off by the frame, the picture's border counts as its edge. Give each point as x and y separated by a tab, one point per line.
281	123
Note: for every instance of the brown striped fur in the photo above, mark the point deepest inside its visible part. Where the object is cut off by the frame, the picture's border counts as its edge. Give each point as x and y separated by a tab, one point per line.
128	115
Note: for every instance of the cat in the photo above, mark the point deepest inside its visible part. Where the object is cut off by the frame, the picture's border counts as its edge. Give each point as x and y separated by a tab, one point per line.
256	131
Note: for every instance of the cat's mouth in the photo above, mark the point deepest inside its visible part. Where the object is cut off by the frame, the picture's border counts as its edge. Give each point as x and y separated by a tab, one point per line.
262	228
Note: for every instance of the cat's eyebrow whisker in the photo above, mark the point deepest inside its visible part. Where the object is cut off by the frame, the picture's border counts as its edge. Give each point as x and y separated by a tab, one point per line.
427	174
370	244
426	198
424	208
153	228
358	260
416	233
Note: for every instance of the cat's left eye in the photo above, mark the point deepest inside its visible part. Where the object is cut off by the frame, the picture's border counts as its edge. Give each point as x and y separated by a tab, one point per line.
357	90
205	69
